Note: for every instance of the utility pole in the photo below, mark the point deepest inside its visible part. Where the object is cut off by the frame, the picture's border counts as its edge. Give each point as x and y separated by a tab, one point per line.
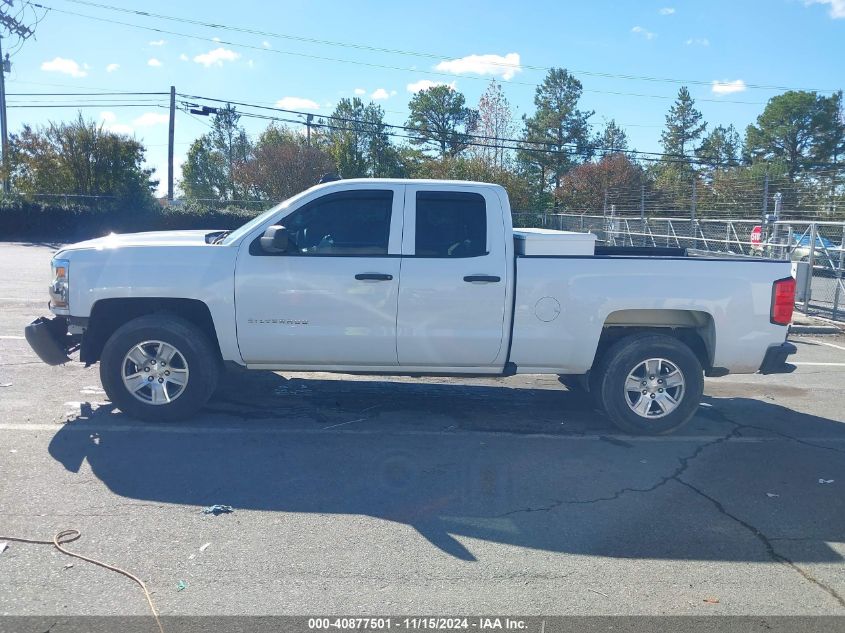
15	28
170	143
308	119
4	130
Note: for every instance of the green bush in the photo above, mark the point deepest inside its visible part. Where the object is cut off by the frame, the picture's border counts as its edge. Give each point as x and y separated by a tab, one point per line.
22	220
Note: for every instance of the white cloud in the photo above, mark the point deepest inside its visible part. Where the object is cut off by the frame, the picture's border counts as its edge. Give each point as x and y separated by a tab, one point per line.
645	33
64	66
392	93
266	44
157	43
425	84
380	93
151	118
216	57
119	128
112	67
152	61
110	124
497	65
251	63
666	11
360	91
184	57
728	87
297	103
837	7
215	38
698	41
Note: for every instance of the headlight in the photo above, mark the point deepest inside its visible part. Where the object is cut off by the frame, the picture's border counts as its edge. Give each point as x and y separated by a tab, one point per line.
59	285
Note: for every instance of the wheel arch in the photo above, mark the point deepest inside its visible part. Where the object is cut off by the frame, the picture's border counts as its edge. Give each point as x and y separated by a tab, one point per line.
694	328
109	314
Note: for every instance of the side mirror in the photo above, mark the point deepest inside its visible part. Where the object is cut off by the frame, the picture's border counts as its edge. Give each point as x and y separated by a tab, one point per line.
275	239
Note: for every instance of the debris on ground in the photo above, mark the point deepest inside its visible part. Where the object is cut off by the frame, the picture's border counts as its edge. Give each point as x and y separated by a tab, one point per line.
772	495
3	546
825	481
181	585
69	565
218	509
711	600
598	592
205	547
5	384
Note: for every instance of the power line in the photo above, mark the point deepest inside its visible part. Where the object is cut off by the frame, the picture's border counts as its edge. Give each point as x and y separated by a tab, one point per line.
219	41
18	104
516	144
82	94
394	51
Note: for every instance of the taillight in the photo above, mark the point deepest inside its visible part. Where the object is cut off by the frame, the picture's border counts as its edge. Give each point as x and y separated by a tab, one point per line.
783	301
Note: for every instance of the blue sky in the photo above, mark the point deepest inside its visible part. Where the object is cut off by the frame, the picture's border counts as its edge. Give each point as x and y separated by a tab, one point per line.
787	43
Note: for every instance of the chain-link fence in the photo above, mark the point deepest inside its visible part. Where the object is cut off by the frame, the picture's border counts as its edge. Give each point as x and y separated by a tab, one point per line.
819	270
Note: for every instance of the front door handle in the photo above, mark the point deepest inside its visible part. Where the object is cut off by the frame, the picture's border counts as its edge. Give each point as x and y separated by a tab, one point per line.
373	277
485	278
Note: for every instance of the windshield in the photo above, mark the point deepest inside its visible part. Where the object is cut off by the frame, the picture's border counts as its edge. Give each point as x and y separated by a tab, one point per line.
260	219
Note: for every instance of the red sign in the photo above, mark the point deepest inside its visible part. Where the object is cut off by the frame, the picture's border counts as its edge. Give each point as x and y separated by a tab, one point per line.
757	235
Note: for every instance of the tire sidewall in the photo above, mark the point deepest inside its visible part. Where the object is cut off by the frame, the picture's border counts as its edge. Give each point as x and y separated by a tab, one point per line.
190	342
624	357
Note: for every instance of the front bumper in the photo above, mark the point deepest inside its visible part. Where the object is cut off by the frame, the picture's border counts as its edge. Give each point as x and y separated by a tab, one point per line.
774	362
49	339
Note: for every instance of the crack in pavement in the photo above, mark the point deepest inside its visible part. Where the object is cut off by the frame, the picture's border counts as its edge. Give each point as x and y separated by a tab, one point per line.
767	543
742	425
682	466
676	476
788	437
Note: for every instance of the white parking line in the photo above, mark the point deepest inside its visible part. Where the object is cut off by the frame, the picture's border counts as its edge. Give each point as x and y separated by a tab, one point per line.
819	364
826	344
10	337
82	427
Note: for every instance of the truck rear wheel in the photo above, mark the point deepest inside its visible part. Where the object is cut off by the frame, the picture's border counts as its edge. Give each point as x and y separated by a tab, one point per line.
159	367
650	384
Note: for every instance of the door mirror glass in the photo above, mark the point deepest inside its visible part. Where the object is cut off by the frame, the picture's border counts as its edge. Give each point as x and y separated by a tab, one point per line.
275	240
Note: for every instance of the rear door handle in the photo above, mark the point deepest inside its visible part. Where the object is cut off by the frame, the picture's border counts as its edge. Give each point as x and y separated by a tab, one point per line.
373	277
485	278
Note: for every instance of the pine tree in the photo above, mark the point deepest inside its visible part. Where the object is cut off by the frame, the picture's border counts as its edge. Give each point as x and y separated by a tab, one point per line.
556	137
684	126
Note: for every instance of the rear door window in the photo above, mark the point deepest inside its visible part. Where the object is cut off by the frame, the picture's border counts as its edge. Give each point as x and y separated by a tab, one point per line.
450	224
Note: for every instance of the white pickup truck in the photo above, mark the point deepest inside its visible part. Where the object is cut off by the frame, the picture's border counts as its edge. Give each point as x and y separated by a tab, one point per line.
411	277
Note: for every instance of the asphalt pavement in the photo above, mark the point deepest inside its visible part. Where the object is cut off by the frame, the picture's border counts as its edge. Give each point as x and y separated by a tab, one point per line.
389	495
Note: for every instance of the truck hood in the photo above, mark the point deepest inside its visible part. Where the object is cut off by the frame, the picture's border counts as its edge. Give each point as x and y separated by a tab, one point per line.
153	238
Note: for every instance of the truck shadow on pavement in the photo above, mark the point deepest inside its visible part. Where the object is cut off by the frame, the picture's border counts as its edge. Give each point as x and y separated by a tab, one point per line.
527	467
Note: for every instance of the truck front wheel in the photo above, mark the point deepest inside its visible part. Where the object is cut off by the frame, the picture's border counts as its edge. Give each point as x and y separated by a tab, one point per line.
159	367
650	384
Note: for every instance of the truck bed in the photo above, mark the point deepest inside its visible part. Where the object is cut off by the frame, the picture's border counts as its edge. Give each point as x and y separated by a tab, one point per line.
563	303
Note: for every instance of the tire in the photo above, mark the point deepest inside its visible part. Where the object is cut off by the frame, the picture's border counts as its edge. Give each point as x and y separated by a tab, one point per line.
195	364
641	357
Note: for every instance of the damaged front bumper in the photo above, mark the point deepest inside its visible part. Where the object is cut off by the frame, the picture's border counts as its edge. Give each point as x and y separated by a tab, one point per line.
49	338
